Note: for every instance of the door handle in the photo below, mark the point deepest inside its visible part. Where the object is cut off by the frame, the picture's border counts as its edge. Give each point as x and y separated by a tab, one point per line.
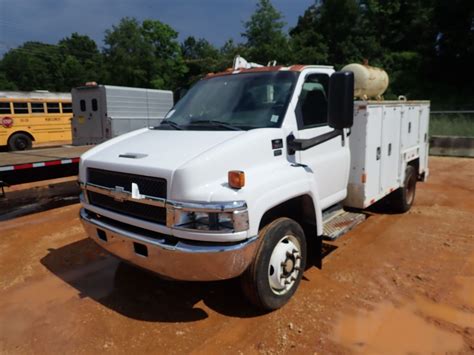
379	153
389	149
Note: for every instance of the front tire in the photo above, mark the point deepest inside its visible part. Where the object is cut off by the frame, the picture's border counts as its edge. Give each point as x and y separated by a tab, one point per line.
277	269
19	141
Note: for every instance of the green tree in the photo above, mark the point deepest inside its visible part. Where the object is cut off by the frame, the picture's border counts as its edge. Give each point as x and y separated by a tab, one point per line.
335	32
455	40
229	51
266	40
308	45
82	61
406	35
397	35
143	55
5	84
33	66
201	58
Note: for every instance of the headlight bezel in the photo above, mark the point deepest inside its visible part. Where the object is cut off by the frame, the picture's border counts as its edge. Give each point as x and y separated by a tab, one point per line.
226	217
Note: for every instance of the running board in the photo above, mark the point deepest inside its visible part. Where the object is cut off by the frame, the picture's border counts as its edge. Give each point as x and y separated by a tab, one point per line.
338	222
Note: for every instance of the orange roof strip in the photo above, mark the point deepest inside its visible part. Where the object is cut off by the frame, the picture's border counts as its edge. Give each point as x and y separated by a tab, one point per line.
231	71
297	67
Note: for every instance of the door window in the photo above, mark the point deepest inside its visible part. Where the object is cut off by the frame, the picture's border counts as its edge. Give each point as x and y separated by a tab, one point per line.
312	107
94	105
83	105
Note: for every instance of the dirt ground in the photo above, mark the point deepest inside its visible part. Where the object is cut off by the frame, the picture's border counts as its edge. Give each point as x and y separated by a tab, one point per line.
400	283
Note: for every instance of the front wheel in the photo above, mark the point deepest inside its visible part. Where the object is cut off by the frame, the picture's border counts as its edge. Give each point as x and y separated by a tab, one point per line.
19	141
277	269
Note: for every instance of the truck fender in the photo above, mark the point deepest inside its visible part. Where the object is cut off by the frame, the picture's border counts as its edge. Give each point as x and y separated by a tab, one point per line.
280	195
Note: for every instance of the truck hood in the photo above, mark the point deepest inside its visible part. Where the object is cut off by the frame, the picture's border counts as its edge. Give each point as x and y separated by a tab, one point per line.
152	152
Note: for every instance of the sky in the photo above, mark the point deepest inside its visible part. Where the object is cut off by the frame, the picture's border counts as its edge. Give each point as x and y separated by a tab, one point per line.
51	20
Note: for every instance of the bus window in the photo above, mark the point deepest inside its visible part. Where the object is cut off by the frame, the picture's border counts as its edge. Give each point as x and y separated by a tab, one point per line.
5	108
20	107
83	105
67	107
53	107
37	107
94	104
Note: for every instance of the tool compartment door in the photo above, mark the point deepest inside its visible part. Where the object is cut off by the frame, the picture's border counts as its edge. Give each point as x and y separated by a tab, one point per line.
410	126
390	149
423	136
373	153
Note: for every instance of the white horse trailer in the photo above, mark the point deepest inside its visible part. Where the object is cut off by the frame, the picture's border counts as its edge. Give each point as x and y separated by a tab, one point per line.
102	112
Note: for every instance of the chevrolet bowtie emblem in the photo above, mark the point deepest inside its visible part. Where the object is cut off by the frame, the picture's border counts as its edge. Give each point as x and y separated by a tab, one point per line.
120	194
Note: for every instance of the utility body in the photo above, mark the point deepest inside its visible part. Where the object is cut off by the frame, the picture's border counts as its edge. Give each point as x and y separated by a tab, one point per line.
248	172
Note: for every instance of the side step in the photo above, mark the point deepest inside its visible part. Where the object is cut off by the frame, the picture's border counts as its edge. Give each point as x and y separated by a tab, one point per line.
338	222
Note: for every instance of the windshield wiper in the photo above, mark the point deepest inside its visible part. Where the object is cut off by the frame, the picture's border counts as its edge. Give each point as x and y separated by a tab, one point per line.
172	124
216	123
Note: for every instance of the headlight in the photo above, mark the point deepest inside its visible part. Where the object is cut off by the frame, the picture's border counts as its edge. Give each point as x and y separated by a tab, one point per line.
226	222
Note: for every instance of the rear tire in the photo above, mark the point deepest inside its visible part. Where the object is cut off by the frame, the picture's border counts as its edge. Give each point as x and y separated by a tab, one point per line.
19	141
403	198
278	267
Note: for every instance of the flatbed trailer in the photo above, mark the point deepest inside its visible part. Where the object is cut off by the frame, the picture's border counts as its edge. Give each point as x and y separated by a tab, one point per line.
39	164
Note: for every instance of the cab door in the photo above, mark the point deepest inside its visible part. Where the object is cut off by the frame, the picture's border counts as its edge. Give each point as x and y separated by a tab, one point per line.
327	162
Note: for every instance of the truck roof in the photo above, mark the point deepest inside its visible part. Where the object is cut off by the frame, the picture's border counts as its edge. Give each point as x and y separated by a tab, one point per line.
294	67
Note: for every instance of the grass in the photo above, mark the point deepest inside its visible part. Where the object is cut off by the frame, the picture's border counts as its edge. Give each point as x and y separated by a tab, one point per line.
452	125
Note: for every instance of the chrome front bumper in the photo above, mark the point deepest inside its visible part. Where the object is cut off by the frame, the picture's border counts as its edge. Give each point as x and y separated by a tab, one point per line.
180	260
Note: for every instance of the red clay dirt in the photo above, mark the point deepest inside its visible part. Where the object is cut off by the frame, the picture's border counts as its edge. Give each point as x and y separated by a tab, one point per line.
397	283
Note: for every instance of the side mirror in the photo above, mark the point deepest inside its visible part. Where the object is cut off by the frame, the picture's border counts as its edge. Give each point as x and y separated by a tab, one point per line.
341	100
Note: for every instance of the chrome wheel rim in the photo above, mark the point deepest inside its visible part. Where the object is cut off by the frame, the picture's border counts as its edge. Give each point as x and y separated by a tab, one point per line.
285	265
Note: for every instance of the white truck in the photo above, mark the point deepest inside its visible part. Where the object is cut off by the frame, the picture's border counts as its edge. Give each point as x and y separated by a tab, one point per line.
248	173
102	112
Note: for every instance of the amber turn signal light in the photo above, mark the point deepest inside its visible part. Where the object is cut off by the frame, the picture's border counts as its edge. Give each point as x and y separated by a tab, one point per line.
236	179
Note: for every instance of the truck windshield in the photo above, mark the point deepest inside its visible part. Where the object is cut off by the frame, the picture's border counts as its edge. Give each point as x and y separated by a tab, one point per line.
242	101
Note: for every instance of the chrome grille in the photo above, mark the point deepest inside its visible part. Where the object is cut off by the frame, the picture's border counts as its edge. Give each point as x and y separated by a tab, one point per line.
133	209
150	186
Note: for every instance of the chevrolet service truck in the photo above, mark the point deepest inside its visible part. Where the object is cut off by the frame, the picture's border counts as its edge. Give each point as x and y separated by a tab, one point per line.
248	173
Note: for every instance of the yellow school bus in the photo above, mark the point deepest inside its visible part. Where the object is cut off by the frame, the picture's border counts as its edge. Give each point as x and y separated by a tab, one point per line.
36	116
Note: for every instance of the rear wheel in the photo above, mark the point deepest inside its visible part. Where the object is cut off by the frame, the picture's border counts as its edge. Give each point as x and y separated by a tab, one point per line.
277	269
403	198
19	141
